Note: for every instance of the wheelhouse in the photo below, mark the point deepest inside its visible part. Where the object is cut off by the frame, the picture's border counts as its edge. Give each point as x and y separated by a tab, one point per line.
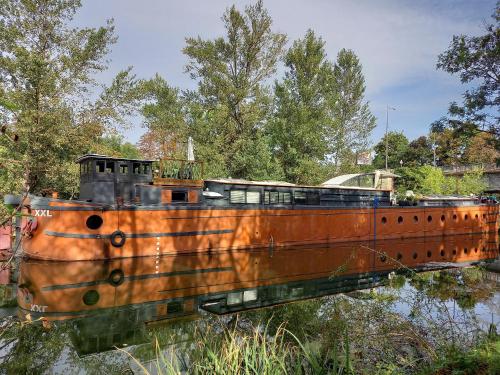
105	179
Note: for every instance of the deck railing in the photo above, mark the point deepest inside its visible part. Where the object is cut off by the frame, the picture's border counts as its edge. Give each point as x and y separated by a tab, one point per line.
178	169
470	167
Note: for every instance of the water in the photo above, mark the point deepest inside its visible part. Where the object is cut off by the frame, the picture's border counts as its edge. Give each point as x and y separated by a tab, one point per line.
72	316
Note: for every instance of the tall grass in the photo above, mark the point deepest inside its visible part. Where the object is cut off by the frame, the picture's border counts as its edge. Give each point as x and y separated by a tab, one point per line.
233	352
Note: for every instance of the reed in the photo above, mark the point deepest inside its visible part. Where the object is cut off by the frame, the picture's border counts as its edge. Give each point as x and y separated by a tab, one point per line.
230	351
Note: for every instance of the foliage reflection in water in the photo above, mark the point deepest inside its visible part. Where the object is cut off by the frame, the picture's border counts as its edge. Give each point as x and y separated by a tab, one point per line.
359	307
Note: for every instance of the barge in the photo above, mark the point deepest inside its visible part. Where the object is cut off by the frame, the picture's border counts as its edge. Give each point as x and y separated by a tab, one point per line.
131	208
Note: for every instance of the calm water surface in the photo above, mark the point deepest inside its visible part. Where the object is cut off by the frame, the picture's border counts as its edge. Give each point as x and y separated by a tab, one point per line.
71	317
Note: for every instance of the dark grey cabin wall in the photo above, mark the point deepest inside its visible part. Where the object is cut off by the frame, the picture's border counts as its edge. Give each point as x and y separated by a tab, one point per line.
107	187
336	197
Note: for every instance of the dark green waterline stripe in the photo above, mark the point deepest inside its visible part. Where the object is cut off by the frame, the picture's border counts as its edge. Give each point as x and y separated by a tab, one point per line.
139	235
136	277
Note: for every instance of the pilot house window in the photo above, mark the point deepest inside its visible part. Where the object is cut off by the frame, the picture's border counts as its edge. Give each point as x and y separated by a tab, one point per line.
123	168
100	166
110	167
136	168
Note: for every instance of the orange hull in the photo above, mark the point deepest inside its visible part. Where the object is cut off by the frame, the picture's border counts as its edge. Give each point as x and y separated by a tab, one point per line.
62	233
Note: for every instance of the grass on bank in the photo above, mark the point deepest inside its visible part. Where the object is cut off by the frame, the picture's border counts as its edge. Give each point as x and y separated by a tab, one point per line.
482	360
234	352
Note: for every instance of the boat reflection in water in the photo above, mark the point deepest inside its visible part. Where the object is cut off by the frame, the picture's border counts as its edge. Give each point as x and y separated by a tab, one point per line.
108	303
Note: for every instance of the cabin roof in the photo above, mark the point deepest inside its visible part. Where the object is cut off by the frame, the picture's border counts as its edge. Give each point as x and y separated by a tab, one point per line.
447	197
239	181
105	157
236	181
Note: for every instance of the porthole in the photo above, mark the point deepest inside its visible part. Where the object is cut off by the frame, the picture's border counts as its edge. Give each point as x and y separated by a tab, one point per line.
94	222
415	255
455	217
399	256
477	216
484	216
475	249
415	219
454	252
442	218
384	220
429	218
400	219
466	217
91	297
429	253
465	250
484	249
442	253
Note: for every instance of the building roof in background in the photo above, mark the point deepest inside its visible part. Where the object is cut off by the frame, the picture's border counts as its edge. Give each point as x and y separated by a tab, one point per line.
339	180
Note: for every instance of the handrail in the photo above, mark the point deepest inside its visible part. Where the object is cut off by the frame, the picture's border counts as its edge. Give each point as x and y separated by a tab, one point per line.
180	169
471	167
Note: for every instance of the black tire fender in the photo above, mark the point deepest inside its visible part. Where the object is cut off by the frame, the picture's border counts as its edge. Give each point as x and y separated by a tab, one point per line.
117	238
116	277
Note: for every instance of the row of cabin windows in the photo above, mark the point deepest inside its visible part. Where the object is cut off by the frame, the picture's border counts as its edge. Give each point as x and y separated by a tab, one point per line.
277	197
274	197
109	167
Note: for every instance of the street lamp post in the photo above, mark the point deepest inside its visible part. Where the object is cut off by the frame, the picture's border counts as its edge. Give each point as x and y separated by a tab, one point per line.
386	138
434	147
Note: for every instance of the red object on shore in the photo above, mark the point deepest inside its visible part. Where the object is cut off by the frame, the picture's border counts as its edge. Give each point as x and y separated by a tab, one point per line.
4	275
5	238
5	253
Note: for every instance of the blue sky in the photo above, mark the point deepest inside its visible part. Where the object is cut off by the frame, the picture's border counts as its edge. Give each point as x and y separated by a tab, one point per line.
396	41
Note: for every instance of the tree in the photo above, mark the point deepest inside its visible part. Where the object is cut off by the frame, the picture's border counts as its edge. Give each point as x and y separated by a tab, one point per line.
113	145
352	120
397	149
299	123
419	152
231	73
471	183
480	150
320	115
429	180
46	83
450	145
164	119
475	59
